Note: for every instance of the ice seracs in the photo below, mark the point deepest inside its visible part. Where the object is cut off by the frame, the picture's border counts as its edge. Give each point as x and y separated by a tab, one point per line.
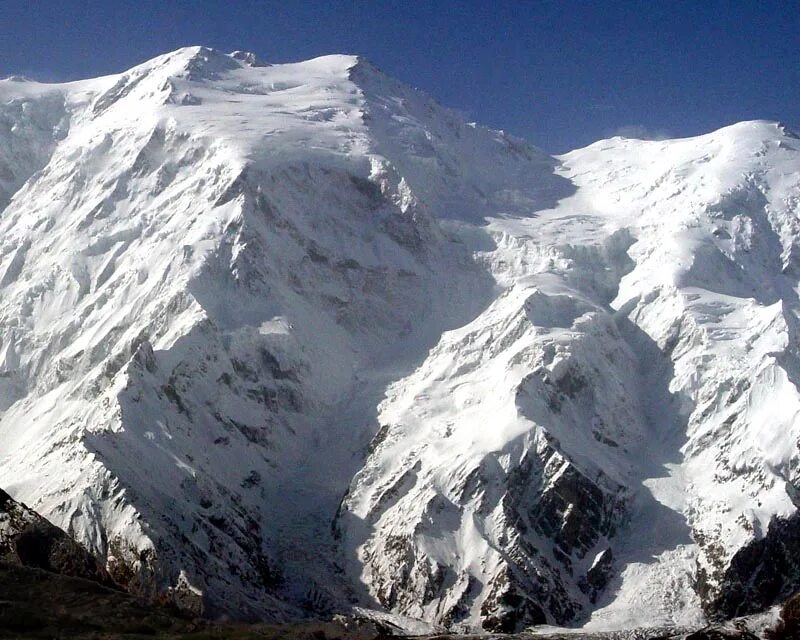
295	338
248	57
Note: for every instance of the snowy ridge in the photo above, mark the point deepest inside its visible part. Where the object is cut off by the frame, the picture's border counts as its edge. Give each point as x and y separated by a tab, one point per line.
232	293
646	323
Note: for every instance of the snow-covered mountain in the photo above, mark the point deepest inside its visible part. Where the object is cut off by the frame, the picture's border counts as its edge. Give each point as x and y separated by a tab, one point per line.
291	338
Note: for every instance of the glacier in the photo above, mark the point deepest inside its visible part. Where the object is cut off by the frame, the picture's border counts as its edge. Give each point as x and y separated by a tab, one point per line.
294	339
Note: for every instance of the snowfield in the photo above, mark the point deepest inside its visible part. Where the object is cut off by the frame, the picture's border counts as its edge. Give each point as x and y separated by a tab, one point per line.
294	338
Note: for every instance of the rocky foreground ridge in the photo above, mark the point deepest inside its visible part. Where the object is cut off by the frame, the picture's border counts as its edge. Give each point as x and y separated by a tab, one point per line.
51	588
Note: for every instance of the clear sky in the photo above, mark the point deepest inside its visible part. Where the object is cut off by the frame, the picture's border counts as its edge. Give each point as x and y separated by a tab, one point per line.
561	74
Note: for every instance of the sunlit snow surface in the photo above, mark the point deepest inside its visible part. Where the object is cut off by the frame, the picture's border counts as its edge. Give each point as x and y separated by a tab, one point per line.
301	339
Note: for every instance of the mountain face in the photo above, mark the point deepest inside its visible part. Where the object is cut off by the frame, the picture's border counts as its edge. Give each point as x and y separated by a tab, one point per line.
293	338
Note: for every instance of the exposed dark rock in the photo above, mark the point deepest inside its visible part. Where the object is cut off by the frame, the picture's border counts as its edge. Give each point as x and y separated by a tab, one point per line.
548	498
28	540
249	58
598	575
721	634
788	627
507	609
761	574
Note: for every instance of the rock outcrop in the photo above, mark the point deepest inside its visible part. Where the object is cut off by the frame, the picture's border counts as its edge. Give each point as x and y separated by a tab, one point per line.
28	540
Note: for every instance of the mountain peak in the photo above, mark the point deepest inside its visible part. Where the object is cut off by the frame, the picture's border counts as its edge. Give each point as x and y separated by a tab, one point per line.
233	294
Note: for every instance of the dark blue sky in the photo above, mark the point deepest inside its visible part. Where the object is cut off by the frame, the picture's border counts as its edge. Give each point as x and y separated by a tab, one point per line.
561	74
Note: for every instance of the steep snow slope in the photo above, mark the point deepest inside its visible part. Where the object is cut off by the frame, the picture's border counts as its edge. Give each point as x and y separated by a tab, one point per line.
233	293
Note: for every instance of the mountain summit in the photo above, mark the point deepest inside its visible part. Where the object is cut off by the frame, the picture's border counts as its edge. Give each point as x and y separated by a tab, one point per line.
292	338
